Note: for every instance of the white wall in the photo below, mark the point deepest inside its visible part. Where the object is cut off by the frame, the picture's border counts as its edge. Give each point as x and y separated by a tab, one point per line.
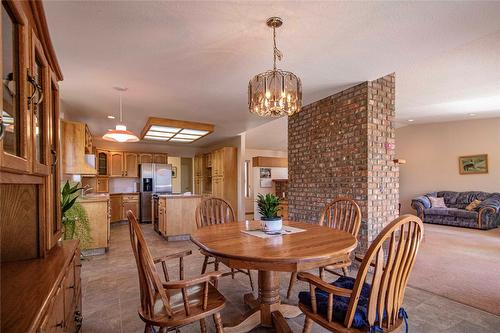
176	182
254	179
431	152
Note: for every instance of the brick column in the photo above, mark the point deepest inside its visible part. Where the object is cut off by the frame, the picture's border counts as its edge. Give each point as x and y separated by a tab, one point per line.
341	145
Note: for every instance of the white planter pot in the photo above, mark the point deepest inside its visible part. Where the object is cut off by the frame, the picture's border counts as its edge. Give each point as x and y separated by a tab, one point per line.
272	225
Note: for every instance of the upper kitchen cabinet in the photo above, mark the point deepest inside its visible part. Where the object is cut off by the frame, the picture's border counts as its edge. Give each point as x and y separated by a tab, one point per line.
102	162
116	164
160	158
145	158
131	165
73	147
15	152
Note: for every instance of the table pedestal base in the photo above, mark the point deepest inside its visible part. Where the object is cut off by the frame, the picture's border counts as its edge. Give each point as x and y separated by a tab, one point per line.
266	310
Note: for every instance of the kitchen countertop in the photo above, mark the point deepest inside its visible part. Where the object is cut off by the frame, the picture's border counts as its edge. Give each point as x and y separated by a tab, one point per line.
179	196
93	198
124	193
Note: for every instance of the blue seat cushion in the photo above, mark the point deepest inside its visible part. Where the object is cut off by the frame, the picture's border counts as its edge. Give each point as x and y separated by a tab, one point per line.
341	304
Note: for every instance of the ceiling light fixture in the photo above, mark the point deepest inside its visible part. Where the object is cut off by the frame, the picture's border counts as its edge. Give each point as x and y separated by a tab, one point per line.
472	114
120	133
171	130
275	93
411	120
111	117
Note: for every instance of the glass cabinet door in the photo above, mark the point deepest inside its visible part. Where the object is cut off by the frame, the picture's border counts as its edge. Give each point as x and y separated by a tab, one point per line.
14	146
39	106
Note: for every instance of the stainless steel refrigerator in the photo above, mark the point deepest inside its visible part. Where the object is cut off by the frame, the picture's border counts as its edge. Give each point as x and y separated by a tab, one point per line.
154	179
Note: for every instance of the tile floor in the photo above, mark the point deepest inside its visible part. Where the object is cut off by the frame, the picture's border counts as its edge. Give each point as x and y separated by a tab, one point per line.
111	294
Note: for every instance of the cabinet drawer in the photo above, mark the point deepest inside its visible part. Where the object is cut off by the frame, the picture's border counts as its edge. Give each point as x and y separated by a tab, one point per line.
54	319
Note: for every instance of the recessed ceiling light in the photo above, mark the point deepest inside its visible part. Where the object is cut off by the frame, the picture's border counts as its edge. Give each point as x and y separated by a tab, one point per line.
411	120
111	117
472	114
164	129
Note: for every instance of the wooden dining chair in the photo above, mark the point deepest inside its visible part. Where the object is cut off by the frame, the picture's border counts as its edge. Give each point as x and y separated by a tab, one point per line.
172	304
342	214
212	211
370	302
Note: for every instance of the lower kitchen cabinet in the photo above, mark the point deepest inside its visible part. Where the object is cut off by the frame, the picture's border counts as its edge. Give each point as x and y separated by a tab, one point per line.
48	290
121	203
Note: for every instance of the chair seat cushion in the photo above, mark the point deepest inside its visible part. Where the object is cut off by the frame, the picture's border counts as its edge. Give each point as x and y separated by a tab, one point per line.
341	304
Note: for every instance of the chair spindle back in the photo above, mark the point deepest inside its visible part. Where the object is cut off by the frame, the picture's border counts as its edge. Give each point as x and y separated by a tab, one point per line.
149	281
214	211
343	214
392	256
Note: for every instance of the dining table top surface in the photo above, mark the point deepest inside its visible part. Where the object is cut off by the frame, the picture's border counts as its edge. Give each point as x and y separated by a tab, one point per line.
316	243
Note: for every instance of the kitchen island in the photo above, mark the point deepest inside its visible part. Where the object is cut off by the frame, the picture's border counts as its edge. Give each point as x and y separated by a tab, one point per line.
174	215
97	208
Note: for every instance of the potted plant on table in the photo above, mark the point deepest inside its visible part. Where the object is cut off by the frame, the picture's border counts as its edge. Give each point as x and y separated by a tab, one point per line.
268	205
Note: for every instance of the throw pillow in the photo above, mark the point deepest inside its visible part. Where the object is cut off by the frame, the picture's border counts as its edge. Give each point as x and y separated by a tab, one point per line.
473	205
437	202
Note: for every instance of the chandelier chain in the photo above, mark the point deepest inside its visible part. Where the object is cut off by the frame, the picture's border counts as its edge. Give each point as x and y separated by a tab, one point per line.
276	52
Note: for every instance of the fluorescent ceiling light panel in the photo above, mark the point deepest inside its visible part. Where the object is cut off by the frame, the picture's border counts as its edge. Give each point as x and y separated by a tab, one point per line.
181	140
164	129
159	138
187	136
172	130
194	132
162	134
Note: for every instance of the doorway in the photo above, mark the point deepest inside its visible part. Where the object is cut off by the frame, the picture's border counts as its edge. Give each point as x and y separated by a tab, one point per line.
186	174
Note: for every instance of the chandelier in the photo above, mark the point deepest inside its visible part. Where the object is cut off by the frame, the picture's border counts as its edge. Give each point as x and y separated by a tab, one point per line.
275	93
120	133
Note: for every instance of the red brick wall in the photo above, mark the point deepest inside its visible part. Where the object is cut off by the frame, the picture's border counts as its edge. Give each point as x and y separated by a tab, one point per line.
338	146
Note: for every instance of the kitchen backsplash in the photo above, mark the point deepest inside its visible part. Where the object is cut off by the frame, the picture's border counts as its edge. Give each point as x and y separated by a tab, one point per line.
123	185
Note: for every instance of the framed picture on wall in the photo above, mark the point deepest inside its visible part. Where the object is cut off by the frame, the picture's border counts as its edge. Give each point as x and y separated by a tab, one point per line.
265	178
473	164
174	172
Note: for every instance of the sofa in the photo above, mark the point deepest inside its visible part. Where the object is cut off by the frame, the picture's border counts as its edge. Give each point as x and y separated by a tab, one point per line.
485	216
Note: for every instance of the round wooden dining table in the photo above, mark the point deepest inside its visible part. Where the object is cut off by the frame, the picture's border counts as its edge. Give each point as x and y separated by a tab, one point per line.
316	246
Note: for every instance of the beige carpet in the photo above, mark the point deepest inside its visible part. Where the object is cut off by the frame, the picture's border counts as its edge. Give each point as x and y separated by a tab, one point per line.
460	264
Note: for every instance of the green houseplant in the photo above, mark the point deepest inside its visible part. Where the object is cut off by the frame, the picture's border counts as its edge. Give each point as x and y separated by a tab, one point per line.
76	224
268	206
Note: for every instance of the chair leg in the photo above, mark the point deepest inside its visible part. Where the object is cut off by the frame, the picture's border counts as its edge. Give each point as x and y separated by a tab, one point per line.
307	325
344	270
321	272
147	328
232	273
218	323
251	281
293	277
216	268
203	326
204	267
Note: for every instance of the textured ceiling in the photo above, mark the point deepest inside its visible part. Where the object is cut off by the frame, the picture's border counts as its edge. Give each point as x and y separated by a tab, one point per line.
193	60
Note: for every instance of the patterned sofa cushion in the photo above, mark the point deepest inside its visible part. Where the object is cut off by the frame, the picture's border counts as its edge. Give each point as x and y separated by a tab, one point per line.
454	212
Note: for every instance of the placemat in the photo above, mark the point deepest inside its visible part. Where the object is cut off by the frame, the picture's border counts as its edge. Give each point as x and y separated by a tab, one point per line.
286	230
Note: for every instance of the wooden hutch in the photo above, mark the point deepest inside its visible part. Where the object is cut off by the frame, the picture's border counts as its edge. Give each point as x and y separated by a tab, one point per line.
40	275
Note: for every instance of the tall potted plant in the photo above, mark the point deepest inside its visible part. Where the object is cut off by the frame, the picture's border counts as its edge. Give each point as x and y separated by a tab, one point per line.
268	206
76	224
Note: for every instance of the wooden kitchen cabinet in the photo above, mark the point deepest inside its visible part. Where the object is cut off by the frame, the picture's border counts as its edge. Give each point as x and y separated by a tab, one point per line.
102	162
73	149
116	207
102	185
131	165
121	203
145	158
160	158
116	164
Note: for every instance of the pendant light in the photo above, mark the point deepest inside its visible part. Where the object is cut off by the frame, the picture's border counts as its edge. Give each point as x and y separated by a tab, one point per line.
275	93
120	133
